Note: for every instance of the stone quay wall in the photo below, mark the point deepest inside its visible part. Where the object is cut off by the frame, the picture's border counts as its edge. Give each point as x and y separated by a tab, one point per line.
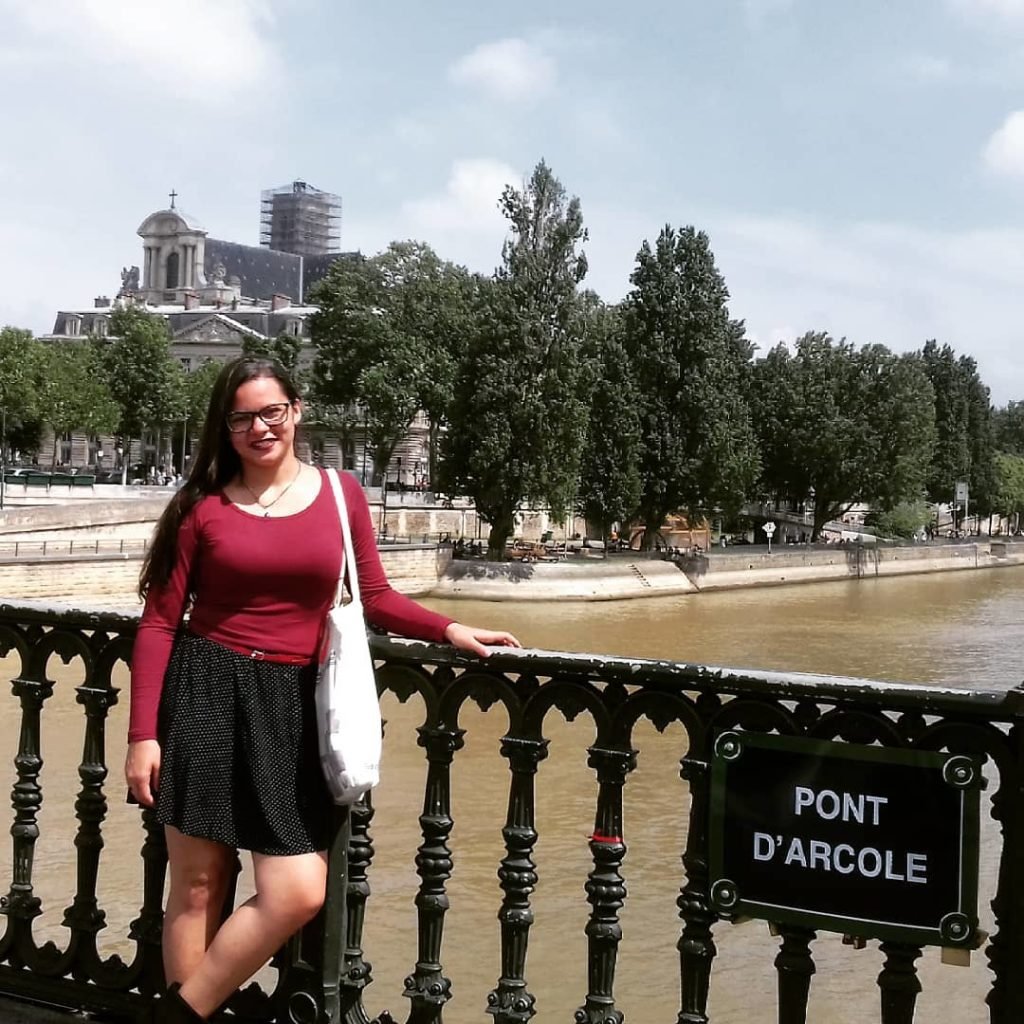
413	569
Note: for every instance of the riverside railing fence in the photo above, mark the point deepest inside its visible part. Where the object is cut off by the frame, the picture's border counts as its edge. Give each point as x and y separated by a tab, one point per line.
803	793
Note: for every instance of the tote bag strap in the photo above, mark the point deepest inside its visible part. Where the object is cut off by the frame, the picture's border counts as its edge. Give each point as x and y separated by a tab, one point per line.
348	551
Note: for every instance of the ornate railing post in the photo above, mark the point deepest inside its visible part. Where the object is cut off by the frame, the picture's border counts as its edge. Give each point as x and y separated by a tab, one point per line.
511	1002
796	968
696	945
1006	950
606	888
427	987
899	983
357	972
147	928
23	906
84	917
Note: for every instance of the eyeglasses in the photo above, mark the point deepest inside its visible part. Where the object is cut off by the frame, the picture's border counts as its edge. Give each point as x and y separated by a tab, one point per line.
273	415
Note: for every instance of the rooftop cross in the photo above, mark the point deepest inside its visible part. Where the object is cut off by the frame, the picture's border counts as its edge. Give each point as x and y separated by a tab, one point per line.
174	195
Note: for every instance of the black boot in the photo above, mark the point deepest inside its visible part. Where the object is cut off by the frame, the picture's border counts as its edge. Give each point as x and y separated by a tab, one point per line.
172	1009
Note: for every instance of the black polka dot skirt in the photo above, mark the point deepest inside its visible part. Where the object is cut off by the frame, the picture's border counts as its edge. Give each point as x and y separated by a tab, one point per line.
239	760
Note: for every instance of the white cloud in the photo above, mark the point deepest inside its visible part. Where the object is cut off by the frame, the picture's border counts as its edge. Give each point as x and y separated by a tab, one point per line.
1004	151
469	201
511	69
889	283
192	49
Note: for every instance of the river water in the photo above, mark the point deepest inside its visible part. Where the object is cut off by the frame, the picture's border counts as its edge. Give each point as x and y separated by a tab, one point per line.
960	628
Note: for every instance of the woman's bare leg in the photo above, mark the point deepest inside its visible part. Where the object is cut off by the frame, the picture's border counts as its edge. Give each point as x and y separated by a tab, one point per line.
289	892
200	871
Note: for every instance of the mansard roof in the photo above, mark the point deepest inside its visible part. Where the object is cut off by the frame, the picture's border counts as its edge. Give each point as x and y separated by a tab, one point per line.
262	273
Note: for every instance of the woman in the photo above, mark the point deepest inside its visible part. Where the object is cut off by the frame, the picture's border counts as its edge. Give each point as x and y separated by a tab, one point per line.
222	736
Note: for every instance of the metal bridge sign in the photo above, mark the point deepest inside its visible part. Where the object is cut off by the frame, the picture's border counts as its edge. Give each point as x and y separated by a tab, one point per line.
878	842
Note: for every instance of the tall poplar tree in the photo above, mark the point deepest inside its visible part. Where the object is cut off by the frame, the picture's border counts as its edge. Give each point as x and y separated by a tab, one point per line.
610	473
690	363
965	448
521	401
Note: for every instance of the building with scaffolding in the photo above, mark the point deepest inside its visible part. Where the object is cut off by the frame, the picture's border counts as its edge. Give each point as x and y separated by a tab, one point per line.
300	219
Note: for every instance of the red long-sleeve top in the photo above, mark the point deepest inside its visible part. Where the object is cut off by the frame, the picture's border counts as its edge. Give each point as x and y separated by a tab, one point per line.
263	583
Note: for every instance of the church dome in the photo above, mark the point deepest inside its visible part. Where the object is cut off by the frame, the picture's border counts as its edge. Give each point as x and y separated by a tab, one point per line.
170	222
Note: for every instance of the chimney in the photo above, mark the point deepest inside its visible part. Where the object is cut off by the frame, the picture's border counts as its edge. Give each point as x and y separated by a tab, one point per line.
279	301
101	302
191	300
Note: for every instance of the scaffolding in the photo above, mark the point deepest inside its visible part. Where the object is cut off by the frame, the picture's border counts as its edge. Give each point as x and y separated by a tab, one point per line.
300	219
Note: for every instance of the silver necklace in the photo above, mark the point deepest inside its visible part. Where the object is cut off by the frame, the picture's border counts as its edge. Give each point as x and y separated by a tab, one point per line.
280	494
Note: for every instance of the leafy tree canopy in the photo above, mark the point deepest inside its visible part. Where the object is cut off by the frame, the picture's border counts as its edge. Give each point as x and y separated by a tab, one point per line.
965	444
690	364
521	398
144	380
71	391
388	336
840	425
610	471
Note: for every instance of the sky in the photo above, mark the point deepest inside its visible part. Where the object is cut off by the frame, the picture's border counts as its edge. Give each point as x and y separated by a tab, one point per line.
858	167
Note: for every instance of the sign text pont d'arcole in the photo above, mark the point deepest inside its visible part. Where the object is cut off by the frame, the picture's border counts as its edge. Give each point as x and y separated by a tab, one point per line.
873	841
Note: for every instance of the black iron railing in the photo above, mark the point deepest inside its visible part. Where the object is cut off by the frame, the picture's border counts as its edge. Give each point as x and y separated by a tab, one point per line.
322	974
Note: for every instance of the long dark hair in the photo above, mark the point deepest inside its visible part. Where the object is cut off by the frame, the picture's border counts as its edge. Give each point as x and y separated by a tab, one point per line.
214	464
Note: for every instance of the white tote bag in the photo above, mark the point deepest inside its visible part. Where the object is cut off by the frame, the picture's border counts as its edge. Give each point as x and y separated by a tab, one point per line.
348	714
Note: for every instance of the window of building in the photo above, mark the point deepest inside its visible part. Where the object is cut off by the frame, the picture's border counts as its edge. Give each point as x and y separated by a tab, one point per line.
348	454
64	449
186	363
73	324
99	326
172	271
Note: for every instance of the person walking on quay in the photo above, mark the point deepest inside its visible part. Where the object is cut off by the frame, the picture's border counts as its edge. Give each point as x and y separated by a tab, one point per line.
222	734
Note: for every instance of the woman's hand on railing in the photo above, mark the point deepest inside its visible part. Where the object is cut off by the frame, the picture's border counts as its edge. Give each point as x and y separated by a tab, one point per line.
469	638
142	770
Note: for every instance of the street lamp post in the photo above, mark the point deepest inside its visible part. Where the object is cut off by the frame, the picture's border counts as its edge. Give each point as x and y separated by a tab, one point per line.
364	447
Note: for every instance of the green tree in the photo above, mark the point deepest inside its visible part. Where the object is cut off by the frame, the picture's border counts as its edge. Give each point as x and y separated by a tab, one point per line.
951	460
196	388
1008	428
609	488
965	445
1009	495
898	426
981	445
18	353
842	426
690	364
285	349
904	520
71	392
145	382
387	335
521	401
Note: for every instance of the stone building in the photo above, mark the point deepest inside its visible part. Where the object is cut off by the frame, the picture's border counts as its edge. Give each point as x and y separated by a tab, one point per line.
214	295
